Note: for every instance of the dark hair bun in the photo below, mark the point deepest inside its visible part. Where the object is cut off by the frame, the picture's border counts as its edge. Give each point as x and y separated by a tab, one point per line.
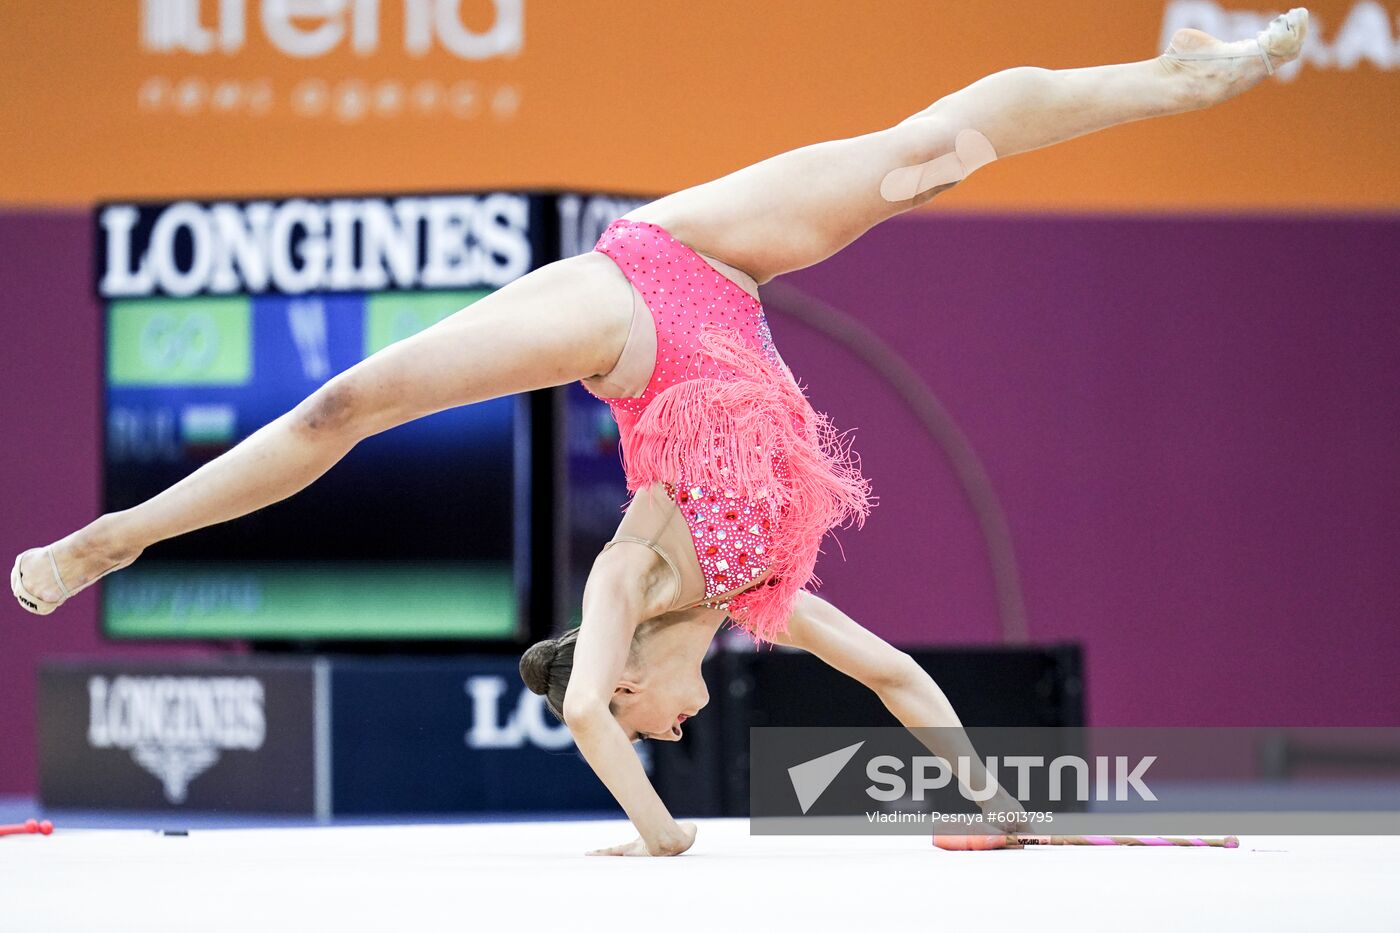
535	665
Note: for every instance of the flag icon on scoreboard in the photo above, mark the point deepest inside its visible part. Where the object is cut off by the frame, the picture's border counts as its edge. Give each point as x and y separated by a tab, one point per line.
207	430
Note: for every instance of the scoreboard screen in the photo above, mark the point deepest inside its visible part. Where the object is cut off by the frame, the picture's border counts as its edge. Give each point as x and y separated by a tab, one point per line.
418	532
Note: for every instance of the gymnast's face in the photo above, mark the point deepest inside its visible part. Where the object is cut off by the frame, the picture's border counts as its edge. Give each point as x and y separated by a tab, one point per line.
659	690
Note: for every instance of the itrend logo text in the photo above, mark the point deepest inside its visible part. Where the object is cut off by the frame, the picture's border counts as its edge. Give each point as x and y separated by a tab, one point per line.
312	28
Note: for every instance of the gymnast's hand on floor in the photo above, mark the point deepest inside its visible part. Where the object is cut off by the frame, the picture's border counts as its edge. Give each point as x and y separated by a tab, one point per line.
673	844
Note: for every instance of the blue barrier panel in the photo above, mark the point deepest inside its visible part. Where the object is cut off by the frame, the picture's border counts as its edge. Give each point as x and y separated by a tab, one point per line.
461	735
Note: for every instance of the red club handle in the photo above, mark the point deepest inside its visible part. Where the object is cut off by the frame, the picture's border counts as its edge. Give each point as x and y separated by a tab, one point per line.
28	828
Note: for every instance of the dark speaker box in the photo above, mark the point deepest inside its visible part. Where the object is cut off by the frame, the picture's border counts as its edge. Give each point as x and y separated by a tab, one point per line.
707	773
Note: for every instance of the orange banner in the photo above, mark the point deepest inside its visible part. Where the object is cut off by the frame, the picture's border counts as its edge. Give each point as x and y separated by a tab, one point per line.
165	98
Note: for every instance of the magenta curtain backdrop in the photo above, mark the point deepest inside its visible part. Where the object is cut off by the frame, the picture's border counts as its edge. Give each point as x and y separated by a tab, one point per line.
1191	422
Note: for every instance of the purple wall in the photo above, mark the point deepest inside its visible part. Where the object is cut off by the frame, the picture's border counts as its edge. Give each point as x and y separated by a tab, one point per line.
49	458
1192	425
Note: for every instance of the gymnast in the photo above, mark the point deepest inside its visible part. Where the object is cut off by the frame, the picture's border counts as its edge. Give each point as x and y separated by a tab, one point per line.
734	478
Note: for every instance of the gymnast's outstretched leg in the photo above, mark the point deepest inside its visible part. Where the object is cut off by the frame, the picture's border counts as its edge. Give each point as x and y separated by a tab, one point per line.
565	321
570	320
798	208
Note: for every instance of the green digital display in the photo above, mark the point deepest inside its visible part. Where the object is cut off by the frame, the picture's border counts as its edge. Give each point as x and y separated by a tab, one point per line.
310	601
413	535
392	316
173	342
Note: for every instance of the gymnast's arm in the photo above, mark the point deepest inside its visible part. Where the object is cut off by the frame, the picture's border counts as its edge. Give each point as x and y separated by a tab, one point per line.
599	658
902	685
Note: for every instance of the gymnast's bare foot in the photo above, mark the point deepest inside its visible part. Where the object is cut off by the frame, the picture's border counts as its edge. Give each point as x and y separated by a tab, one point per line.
81	558
1221	70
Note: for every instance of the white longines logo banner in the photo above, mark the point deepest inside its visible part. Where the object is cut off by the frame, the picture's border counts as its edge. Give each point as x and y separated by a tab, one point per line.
504	716
232	735
176	727
304	245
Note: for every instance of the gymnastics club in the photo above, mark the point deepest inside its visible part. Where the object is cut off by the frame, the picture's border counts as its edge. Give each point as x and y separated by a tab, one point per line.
27	828
983	843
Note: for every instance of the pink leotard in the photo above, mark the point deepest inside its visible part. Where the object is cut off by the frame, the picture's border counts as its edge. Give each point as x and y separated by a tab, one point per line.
758	475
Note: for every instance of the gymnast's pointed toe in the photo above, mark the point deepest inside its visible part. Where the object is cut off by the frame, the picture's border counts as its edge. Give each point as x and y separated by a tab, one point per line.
28	600
1282	41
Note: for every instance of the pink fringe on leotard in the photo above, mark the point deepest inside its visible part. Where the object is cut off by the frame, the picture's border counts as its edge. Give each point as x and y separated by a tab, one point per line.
752	431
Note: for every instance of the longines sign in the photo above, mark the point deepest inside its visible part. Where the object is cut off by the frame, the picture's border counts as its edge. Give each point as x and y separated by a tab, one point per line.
313	738
302	245
235	737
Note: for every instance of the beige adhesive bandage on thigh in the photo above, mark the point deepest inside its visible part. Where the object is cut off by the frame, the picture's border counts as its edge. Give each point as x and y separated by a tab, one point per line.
654	520
971	151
